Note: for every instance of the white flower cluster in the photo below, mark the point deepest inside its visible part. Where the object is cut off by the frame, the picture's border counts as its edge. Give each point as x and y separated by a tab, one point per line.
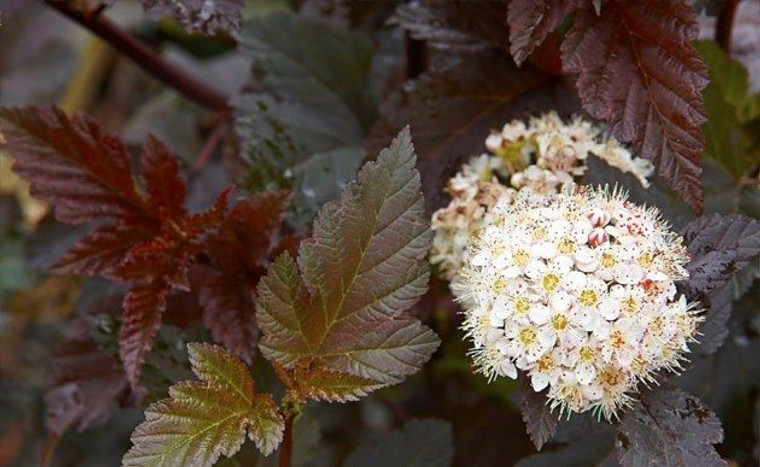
542	157
577	290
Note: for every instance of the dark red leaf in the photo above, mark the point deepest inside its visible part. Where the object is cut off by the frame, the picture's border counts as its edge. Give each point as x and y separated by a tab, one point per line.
637	70
456	26
141	319
246	235
669	427
240	250
540	423
71	164
163	178
169	255
229	313
100	252
531	21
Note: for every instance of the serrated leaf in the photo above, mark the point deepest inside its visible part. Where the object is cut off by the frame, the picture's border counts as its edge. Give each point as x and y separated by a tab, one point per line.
345	307
206	16
164	182
455	26
540	422
203	420
304	384
420	443
306	130
719	246
530	21
71	164
669	427
240	250
141	318
637	70
452	109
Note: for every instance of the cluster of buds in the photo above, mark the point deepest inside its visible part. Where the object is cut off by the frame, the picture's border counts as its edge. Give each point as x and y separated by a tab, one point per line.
542	157
576	289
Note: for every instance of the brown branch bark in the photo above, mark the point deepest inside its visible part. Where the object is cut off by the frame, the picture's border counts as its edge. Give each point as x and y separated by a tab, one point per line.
725	25
145	57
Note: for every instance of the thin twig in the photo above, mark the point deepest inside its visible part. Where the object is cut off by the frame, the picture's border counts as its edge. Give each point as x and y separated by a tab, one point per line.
208	148
144	56
725	26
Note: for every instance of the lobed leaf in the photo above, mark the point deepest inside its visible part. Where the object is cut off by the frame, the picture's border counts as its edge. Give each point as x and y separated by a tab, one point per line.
344	307
669	427
637	70
304	384
419	443
203	420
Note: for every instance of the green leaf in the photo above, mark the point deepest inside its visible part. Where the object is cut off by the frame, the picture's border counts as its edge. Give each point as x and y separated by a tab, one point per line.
306	130
344	307
729	106
204	419
323	385
420	443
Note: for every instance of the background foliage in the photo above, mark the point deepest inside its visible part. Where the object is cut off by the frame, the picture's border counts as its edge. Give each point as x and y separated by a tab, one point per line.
229	241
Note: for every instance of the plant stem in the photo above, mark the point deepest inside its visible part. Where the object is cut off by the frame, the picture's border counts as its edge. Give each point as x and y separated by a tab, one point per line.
725	25
144	56
286	448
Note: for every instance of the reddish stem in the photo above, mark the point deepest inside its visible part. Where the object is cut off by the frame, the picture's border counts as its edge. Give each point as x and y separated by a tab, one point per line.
208	148
144	56
286	448
725	25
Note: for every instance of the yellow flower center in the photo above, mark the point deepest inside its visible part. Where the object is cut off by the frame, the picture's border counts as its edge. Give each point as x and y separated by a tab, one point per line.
629	305
588	297
550	282
655	327
545	363
646	260
499	285
611	376
520	257
539	233
617	340
522	304
587	354
608	260
559	322
566	246
527	336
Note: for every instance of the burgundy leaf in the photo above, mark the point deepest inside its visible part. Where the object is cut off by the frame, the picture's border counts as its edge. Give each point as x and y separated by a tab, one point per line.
163	178
637	70
100	252
540	423
669	427
530	21
82	172
229	313
141	319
